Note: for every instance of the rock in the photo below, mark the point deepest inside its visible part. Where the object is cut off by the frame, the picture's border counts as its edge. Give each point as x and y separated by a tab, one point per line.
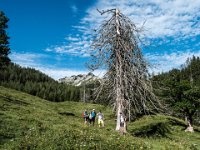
78	80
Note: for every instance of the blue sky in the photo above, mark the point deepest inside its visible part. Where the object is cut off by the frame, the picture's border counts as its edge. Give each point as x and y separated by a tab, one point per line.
54	36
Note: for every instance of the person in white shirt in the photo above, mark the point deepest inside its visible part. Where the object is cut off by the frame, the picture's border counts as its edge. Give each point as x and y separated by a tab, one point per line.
100	117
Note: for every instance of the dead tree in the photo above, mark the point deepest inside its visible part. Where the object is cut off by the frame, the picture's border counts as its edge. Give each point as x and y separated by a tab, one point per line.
126	82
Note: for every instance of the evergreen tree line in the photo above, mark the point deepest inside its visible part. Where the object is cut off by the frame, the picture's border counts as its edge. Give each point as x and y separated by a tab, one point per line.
180	90
38	84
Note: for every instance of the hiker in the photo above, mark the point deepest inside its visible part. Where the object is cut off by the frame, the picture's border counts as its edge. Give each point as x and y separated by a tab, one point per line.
85	116
92	117
122	124
100	119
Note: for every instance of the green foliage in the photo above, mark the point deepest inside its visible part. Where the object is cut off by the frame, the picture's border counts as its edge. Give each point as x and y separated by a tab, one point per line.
180	89
28	122
4	48
38	84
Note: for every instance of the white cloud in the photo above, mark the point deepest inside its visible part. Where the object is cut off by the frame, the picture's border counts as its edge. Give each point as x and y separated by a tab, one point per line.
32	60
26	59
164	18
161	63
77	46
71	38
74	8
165	62
60	73
175	19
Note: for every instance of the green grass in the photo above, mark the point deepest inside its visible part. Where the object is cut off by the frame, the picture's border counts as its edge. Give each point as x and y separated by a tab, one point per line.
28	122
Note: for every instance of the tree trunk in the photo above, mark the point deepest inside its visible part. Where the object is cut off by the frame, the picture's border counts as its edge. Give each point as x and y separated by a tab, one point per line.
84	100
119	98
190	118
188	121
118	117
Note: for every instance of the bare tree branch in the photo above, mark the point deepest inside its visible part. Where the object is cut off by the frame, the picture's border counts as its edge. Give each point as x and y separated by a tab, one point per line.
126	83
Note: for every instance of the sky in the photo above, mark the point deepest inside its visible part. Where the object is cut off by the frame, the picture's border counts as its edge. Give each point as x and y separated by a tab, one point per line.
54	36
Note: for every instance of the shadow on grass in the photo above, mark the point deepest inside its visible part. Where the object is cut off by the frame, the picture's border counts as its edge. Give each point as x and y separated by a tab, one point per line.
160	129
5	139
66	113
13	101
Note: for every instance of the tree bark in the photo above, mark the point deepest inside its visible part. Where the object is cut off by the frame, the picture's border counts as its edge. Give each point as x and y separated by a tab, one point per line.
118	117
189	128
118	65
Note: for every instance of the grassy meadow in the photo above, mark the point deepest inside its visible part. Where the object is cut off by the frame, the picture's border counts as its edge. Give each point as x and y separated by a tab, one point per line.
28	122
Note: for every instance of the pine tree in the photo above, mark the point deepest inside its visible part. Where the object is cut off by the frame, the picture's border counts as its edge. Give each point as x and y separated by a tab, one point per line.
4	48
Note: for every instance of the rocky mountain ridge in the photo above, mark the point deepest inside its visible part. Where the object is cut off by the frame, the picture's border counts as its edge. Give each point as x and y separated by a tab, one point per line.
78	80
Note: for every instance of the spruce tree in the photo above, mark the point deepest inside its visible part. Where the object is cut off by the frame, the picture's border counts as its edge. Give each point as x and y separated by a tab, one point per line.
4	47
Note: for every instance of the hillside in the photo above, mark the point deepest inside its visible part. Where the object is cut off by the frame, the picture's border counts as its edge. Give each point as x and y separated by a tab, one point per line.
36	83
28	122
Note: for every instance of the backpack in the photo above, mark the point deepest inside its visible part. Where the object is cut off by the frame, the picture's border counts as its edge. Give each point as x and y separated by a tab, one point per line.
93	114
90	116
82	115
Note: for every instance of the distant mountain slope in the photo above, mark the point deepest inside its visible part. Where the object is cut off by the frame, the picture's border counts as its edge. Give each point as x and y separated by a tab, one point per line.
37	83
16	73
78	80
29	122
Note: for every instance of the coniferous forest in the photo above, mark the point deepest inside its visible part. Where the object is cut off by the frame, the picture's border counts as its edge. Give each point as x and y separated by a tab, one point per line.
38	84
179	89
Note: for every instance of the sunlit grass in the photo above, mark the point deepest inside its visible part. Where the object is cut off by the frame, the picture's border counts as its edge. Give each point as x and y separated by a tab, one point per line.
28	122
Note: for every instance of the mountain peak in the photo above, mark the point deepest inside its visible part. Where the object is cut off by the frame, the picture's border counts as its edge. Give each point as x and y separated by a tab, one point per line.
78	80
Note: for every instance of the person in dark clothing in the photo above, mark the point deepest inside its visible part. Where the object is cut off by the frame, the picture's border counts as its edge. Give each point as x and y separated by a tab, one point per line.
85	116
92	117
122	124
